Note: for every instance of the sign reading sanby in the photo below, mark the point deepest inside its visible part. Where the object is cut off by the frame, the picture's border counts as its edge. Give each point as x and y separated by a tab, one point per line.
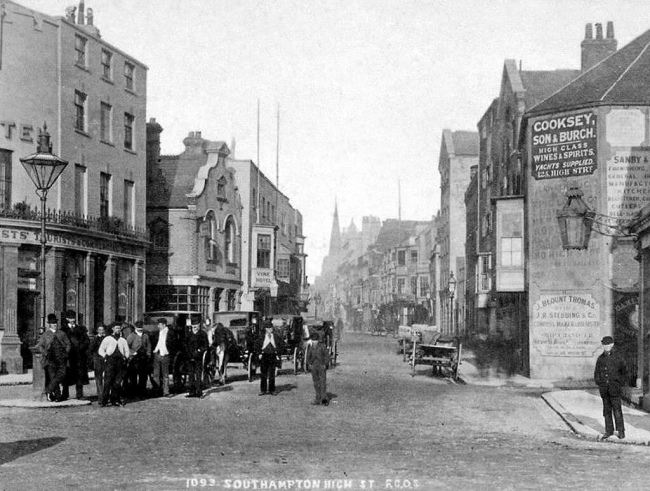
564	146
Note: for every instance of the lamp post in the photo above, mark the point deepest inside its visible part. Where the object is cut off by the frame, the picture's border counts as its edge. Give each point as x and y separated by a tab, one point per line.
452	290
43	168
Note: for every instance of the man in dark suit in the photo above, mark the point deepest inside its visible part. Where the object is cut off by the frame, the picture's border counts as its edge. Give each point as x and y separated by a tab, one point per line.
610	376
138	369
269	347
98	361
55	347
78	363
196	344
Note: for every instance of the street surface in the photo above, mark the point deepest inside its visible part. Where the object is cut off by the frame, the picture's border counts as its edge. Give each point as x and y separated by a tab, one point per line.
383	430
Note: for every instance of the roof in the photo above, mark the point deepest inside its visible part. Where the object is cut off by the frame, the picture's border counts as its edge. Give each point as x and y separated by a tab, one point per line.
465	142
620	79
538	85
393	232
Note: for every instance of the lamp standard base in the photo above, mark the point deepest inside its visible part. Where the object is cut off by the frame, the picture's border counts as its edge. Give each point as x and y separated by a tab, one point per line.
12	361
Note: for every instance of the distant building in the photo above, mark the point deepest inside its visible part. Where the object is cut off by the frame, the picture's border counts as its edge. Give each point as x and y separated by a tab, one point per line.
92	95
458	154
194	219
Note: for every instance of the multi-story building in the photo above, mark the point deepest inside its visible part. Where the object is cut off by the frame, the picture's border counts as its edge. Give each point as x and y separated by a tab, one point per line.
92	96
273	257
194	220
458	153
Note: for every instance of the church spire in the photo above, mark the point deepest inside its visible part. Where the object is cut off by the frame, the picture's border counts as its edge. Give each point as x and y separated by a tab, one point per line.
335	237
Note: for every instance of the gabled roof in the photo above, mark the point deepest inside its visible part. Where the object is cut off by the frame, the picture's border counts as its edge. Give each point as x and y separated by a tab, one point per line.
465	143
538	85
393	232
620	79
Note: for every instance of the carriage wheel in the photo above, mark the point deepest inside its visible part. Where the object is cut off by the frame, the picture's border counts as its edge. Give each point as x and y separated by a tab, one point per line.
306	355
251	368
179	373
296	361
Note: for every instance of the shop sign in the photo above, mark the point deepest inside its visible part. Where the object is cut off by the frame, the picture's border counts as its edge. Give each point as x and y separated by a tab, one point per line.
565	325
564	146
262	278
27	283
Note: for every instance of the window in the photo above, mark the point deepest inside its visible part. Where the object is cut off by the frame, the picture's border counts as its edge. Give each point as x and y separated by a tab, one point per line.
159	235
80	45
414	257
128	131
414	285
129	189
105	123
263	251
400	285
107	65
129	75
511	251
283	268
80	190
230	241
5	179
424	286
80	110
211	246
483	271
221	188
263	208
401	258
254	195
283	224
104	195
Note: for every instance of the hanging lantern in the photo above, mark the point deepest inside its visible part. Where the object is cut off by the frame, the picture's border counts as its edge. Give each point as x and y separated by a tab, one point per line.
574	221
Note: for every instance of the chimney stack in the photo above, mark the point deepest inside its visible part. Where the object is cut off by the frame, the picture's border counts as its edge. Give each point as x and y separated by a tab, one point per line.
81	12
596	50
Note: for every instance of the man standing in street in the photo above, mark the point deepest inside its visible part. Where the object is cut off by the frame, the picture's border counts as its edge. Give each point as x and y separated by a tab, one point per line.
610	376
269	347
140	352
317	360
196	345
163	347
98	361
55	347
115	352
78	369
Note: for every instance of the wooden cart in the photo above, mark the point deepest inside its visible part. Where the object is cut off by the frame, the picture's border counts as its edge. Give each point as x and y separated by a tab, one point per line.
443	356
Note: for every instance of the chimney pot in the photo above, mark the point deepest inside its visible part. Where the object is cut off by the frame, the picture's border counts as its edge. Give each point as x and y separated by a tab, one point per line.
599	31
589	31
197	134
610	30
80	13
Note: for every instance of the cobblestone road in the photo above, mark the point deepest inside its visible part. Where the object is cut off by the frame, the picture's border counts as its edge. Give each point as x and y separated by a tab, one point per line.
382	426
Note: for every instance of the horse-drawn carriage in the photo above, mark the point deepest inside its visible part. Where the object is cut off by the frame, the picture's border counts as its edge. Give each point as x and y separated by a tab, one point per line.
245	330
329	336
442	352
291	330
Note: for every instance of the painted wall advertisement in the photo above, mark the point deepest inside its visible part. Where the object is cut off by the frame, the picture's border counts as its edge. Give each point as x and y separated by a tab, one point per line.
564	146
628	182
566	325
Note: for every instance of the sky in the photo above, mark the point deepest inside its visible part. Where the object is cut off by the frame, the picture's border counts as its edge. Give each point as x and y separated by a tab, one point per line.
364	87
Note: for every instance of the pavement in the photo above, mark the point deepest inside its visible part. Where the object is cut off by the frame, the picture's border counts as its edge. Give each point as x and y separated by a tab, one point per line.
577	403
26	398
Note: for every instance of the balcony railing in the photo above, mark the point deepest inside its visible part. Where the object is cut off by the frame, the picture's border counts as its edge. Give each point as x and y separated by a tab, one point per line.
108	225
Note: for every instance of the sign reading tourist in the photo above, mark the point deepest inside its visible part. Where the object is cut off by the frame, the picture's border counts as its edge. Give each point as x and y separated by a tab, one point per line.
564	146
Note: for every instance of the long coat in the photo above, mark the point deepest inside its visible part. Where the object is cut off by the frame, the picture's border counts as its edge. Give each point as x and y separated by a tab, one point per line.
78	371
55	347
196	345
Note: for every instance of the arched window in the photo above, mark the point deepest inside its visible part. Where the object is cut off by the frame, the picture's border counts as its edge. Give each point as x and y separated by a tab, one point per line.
230	235
211	247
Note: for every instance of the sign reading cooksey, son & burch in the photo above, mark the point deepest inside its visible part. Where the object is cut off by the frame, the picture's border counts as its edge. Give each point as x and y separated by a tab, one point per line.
564	146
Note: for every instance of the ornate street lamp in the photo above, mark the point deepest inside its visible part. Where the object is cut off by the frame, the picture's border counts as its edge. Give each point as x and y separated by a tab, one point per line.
451	286
43	168
576	221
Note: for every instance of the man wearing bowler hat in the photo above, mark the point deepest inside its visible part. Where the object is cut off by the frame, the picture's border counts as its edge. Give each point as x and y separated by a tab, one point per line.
55	347
610	376
269	347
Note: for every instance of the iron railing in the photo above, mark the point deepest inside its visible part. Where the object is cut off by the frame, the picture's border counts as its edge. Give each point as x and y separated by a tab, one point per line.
108	225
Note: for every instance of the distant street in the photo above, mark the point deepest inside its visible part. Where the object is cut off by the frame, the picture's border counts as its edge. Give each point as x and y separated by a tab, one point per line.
382	425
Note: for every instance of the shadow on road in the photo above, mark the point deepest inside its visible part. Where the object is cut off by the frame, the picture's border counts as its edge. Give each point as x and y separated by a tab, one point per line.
14	450
285	388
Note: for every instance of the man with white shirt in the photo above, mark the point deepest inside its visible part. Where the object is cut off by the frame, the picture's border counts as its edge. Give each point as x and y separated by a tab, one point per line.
115	352
269	348
163	345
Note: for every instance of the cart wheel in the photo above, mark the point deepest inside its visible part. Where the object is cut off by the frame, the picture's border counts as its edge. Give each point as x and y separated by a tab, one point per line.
251	368
306	355
207	375
296	361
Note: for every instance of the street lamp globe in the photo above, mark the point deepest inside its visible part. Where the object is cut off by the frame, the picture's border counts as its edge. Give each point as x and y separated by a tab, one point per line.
452	284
